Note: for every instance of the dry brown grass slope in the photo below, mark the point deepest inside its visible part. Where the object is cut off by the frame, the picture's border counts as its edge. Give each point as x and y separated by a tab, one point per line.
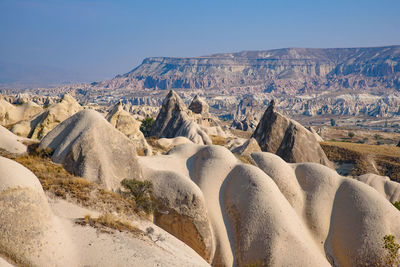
382	159
57	182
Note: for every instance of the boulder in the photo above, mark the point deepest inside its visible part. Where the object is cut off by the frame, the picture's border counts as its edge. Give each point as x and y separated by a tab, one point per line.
90	147
174	119
288	139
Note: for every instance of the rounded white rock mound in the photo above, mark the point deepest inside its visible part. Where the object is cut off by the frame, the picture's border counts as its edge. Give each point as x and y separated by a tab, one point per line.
30	234
346	218
90	147
10	142
275	213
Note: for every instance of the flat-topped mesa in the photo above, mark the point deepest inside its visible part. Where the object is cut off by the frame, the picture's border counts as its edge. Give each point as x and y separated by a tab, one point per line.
288	70
174	119
288	139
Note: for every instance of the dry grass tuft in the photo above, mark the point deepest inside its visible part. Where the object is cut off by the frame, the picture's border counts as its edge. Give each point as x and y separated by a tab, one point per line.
247	159
218	140
157	148
108	221
241	134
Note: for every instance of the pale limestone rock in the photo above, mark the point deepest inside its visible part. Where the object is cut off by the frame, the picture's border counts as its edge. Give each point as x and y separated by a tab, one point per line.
90	147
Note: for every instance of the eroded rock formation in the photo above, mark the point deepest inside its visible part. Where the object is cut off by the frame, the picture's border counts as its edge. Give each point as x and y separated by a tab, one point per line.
276	214
90	147
288	139
174	119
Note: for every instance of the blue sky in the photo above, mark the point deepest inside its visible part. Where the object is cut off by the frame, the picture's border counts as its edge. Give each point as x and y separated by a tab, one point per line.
100	39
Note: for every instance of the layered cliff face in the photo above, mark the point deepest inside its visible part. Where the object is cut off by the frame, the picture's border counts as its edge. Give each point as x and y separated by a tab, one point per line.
290	70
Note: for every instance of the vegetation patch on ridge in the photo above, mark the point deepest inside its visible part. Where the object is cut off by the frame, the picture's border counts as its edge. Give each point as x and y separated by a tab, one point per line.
58	182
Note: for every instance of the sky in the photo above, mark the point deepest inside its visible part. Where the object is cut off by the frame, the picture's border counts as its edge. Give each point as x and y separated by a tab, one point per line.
100	39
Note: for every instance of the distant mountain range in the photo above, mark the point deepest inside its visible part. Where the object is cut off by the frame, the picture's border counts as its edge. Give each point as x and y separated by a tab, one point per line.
281	71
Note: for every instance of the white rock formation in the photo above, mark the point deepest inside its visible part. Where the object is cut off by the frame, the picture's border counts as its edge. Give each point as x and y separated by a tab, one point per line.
174	119
41	124
10	114
278	214
30	233
90	147
36	231
10	142
128	125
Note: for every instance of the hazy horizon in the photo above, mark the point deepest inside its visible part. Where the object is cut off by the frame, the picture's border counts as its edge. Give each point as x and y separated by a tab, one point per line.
96	40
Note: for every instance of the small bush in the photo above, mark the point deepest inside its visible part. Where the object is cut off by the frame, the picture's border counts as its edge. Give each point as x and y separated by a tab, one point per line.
380	142
146	125
141	193
397	204
35	150
351	134
392	249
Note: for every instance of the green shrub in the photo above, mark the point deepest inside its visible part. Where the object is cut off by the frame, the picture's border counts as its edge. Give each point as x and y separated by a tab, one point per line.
351	134
141	193
146	125
397	204
392	248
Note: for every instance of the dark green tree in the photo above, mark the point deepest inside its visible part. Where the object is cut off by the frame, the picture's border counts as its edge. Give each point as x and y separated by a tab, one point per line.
146	125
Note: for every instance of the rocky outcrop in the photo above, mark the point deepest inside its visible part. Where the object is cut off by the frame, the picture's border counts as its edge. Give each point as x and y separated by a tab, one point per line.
288	70
249	147
90	147
288	139
10	114
246	124
128	125
199	105
44	122
30	233
174	119
273	214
